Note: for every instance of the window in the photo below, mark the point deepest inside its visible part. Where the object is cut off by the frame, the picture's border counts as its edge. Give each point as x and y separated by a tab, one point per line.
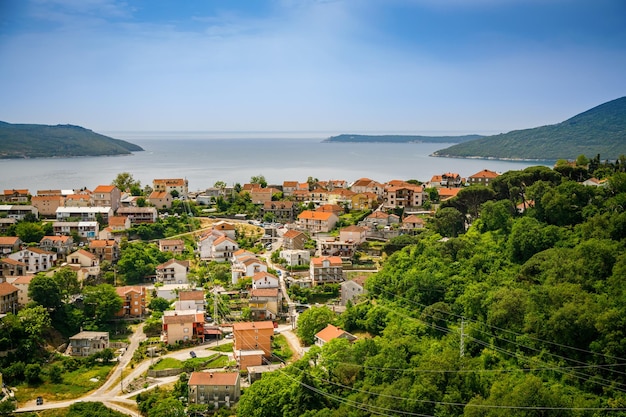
186	330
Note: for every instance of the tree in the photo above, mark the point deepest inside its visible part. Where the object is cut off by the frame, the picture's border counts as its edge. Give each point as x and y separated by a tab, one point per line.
34	320
449	222
159	304
219	184
102	302
29	232
496	215
32	373
45	291
7	407
168	407
125	181
258	180
55	373
312	321
67	280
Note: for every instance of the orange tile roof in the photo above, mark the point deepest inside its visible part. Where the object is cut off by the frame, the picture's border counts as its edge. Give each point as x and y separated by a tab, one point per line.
122	291
290	183
62	239
329	208
12	261
315	215
117	220
353	228
170	181
222	239
249	325
329	333
104	188
448	192
290	234
184	318
261	275
214	378
102	243
264	292
6	288
158	194
362	182
191	295
412	218
168	242
21	192
9	240
173	261
86	253
485	173
334	260
436	178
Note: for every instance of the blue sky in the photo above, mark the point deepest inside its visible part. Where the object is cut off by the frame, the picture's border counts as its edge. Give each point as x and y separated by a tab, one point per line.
338	66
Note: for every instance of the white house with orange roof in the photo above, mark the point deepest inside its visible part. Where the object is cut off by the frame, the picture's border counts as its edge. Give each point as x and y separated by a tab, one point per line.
62	245
35	259
9	244
366	185
223	248
172	272
245	265
105	249
183	326
227	229
175	246
353	233
15	196
180	185
21	282
331	332
295	257
326	269
8	298
484	177
331	208
316	222
318	196
289	187
11	268
451	179
403	194
264	279
265	303
447	193
380	218
191	300
85	263
412	222
107	196
341	196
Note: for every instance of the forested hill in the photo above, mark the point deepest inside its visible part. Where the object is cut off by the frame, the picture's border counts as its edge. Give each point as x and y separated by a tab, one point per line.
400	138
601	130
44	141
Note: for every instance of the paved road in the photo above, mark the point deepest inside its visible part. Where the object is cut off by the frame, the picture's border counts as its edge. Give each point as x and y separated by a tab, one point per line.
110	393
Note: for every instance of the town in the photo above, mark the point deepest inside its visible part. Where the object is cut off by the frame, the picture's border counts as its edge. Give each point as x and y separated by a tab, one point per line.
216	283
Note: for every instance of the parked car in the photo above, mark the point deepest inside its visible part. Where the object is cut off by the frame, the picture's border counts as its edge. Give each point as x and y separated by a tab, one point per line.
39	400
229	336
192	354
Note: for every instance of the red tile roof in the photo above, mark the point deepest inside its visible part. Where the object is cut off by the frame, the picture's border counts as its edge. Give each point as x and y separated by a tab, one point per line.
249	325
6	288
214	378
191	295
330	332
334	260
264	292
104	188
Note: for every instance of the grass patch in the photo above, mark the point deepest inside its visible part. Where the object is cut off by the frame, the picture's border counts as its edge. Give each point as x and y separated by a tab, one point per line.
75	384
280	348
167	363
226	347
218	362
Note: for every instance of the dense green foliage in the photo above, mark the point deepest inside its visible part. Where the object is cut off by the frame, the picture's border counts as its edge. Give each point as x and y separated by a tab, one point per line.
92	409
42	141
601	130
520	315
401	138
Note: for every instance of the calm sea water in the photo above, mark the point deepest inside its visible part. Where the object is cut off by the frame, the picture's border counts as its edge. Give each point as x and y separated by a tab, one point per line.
206	157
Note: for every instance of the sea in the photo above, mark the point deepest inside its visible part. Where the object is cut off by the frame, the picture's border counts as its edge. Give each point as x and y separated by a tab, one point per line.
204	158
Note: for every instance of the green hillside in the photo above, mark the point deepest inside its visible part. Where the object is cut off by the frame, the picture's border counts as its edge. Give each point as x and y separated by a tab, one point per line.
43	141
351	138
601	130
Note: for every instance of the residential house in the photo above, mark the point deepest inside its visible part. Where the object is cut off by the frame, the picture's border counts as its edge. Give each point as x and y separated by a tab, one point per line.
11	268
85	214
403	194
447	193
353	233
175	246
160	199
296	257
21	282
364	201
316	222
172	272
451	180
88	343
139	215
85	263
223	248
260	195
366	185
301	196
326	269
116	225
411	223
5	224
105	249
340	196
282	211
9	244
264	279
293	239
226	229
18	212
331	332
15	196
134	297
245	264
318	196
216	388
107	196
47	205
191	300
61	245
169	185
8	298
252	336
78	200
289	187
435	181
594	182
352	290
331	208
331	246
484	177
35	259
265	303
84	230
380	218
182	326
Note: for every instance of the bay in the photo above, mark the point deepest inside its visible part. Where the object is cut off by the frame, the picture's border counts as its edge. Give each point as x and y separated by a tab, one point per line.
234	157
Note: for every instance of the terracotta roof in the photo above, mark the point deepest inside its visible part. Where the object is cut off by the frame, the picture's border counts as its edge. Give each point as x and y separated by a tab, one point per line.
330	332
412	218
184	318
334	260
173	261
223	239
353	228
290	183
378	215
12	261
117	220
214	378
191	295
448	192
315	215
264	292
328	208
9	240
170	181
278	204
262	275
169	242
9	192
102	243
290	234
485	173
23	279
104	188
158	194
360	280
85	253
61	239
6	288
40	251
122	291
362	182
249	325
222	225
436	178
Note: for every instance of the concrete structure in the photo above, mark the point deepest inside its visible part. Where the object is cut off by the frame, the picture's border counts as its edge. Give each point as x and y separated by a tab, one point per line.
296	257
191	300
352	290
61	245
8	298
9	244
88	343
85	214
316	222
484	177
175	246
105	249
84	230
214	388
139	215
331	332
107	196
134	301
35	259
21	282
326	269
18	212
254	336
180	185
182	326
172	272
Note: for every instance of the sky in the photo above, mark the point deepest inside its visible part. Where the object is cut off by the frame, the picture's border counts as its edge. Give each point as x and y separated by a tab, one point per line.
337	66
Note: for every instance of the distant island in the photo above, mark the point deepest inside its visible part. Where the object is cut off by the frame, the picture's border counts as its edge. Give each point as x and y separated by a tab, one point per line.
44	141
351	138
598	131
